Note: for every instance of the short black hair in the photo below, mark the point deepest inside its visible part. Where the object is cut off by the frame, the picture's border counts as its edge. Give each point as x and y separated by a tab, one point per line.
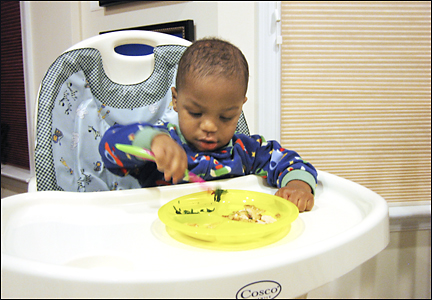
212	56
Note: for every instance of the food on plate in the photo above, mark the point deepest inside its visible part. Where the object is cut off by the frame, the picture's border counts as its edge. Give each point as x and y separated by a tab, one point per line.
217	197
218	193
251	214
192	211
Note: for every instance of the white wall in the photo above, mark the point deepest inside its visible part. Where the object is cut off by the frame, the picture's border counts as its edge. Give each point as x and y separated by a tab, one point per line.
402	270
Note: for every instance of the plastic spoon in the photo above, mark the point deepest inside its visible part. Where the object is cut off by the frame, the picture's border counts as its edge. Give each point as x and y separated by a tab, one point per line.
148	155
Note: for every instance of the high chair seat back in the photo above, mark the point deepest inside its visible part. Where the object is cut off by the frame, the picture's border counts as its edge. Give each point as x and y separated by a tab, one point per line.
89	88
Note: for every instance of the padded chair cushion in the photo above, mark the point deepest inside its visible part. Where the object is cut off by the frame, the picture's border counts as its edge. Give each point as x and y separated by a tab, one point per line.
78	103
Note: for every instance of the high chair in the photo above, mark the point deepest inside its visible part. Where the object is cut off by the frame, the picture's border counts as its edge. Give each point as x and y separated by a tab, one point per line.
91	87
114	244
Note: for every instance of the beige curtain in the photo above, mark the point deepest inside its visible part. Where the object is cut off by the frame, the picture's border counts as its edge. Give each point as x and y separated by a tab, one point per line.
356	92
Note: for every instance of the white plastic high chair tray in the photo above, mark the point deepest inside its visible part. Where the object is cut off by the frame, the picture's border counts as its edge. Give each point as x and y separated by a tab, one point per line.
112	244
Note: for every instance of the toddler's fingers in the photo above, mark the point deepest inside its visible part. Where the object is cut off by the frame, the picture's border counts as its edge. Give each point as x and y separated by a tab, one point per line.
179	166
295	202
302	205
298	199
174	168
310	204
284	193
288	195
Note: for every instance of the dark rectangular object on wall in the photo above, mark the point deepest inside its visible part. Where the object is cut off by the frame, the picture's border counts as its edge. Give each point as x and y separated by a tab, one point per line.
183	29
111	2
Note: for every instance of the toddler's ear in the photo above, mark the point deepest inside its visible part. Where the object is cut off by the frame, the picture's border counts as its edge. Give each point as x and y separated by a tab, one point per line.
174	98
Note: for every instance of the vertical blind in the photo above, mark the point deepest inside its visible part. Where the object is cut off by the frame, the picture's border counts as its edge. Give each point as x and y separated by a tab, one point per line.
356	92
13	105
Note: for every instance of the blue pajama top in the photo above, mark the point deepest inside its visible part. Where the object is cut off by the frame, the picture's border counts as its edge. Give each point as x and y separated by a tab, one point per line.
243	155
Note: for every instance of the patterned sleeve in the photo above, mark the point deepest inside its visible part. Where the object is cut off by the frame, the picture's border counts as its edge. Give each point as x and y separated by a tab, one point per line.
279	165
119	162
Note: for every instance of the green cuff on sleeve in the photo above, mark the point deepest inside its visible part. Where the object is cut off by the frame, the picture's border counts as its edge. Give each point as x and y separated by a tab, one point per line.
300	175
144	137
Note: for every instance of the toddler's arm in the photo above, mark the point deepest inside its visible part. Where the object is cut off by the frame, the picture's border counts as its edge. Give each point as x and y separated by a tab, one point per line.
170	157
284	169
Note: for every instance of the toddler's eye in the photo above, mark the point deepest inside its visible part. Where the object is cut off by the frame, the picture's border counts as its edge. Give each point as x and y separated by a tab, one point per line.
225	119
195	115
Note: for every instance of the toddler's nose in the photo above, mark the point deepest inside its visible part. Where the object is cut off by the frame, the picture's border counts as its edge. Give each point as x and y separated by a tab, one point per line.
208	125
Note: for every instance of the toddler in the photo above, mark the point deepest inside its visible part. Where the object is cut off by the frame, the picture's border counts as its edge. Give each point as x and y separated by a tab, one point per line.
211	85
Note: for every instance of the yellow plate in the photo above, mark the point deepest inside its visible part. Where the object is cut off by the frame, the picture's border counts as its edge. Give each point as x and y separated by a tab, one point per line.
207	225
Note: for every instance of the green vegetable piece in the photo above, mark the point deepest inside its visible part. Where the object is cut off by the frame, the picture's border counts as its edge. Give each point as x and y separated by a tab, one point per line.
189	212
218	193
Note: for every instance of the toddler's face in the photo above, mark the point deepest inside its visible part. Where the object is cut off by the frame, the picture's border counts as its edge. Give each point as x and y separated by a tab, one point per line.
208	110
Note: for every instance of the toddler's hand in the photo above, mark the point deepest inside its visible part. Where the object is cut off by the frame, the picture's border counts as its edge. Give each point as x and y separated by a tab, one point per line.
170	158
299	193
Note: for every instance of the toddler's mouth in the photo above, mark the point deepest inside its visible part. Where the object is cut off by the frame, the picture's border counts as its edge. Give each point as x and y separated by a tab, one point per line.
207	145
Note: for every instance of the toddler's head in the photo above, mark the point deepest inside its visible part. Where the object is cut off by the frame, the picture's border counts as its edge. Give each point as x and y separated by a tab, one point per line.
213	57
210	91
